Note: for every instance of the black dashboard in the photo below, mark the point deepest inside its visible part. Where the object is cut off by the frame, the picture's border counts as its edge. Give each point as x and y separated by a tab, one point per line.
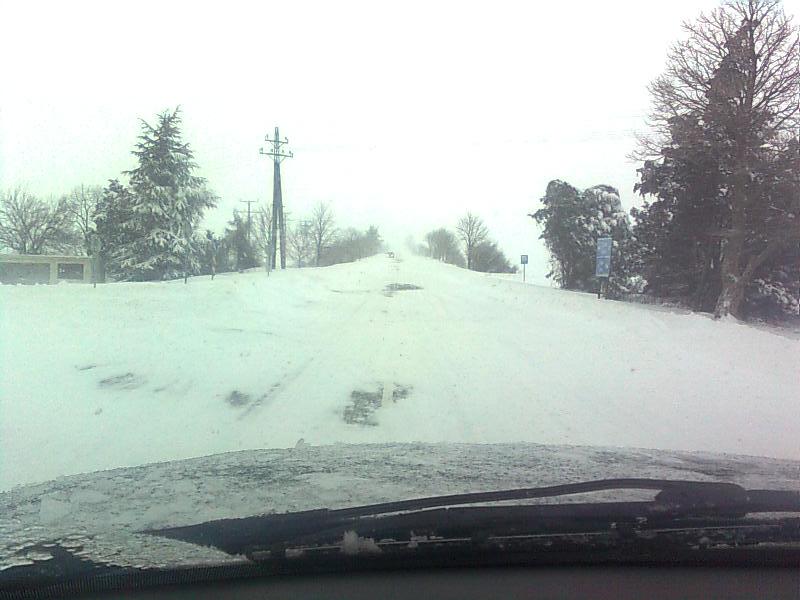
619	583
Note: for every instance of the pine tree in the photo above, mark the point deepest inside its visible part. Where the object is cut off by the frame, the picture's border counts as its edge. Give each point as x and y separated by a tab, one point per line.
111	211
165	204
558	217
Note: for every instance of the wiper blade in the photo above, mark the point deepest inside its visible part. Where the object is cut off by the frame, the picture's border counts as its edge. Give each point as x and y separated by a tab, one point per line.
676	499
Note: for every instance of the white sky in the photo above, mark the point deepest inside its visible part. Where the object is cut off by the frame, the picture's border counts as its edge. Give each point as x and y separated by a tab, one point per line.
402	114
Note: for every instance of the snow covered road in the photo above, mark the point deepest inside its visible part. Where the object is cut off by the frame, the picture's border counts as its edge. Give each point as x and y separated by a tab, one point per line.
127	374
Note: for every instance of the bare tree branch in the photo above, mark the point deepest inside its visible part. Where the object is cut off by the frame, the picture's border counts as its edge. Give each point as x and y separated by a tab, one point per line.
472	232
322	229
31	226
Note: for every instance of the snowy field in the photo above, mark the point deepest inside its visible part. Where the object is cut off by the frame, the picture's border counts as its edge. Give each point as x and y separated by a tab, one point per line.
127	374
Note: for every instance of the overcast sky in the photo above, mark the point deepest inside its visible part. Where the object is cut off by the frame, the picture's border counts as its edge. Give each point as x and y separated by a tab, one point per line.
402	114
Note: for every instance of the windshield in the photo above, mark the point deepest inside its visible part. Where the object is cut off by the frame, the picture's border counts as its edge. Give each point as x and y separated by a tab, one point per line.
261	259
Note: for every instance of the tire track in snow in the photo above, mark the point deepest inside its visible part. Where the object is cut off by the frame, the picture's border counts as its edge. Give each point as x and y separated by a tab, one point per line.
289	388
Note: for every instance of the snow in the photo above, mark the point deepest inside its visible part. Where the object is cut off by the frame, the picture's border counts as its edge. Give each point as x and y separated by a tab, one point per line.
134	373
353	544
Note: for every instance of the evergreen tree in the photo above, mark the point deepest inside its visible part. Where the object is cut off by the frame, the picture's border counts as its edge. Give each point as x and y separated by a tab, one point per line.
372	241
239	243
572	221
677	255
212	254
723	157
111	211
165	203
488	258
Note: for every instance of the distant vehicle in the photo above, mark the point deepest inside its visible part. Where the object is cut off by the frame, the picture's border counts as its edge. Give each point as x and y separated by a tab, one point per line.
390	254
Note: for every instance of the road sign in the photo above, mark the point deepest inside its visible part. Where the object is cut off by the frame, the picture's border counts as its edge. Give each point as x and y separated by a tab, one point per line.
523	259
603	264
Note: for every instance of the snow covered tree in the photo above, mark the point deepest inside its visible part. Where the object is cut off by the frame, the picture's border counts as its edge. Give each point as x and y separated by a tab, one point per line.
729	97
113	208
165	202
676	254
558	217
212	253
572	221
774	294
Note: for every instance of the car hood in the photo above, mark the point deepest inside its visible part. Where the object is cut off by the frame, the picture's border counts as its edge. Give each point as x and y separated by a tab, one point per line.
96	516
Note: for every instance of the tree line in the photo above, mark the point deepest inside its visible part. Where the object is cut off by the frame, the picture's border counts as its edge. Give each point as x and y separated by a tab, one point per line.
468	246
148	229
719	228
314	240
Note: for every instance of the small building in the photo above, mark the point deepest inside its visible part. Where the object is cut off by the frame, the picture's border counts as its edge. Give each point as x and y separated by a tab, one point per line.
35	268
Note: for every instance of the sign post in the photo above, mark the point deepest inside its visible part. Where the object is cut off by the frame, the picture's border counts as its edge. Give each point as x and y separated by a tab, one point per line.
523	259
603	262
94	247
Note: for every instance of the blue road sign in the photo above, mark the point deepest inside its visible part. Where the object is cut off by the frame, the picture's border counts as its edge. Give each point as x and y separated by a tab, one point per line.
523	259
603	264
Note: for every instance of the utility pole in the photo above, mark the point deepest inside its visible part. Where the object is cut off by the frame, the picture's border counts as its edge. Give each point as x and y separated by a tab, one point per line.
277	154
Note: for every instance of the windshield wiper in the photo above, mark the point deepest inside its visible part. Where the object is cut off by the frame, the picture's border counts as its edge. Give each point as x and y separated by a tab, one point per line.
687	523
691	504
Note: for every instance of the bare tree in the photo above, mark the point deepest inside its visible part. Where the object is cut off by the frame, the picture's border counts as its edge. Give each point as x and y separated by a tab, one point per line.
352	240
472	232
31	226
758	36
301	243
443	245
323	229
737	77
262	230
80	206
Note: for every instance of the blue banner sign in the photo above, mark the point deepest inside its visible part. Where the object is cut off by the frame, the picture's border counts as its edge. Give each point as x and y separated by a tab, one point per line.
603	265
